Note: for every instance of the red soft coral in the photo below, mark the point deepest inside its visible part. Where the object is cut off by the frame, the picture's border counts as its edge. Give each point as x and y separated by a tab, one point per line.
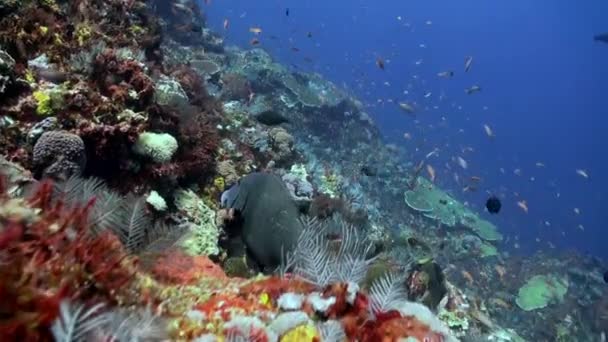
47	253
180	268
115	78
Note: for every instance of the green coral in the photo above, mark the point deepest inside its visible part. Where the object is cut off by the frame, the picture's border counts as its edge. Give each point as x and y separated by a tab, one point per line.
417	202
203	236
299	170
541	290
456	321
160	147
50	4
503	335
329	185
435	204
483	228
487	250
49	100
83	33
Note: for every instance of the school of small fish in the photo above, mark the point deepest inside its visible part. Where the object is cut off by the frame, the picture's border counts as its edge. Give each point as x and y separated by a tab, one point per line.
416	104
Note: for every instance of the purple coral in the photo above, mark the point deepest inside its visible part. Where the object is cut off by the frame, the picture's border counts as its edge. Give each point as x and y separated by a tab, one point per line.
59	155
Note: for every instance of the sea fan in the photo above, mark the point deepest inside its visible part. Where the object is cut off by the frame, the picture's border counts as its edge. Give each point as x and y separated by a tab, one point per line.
385	293
162	237
75	323
353	256
135	326
331	331
311	258
76	191
314	261
131	223
124	216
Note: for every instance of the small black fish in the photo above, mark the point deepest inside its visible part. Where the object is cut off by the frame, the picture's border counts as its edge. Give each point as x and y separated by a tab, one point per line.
602	37
373	171
271	118
369	171
287	12
606	277
493	205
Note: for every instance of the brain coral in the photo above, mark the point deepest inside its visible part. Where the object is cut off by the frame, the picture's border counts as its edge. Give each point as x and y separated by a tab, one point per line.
59	155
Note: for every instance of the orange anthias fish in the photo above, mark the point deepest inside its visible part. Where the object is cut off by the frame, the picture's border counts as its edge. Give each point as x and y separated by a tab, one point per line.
255	30
582	173
431	172
254	41
468	276
501	303
501	270
226	24
468	61
523	205
488	131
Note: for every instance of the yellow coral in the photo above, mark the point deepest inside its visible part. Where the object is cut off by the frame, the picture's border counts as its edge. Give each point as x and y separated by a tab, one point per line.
137	30
219	183
83	33
43	102
30	77
50	4
264	299
301	333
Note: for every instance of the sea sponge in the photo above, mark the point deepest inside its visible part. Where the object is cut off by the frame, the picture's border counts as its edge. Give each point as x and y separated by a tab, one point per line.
160	147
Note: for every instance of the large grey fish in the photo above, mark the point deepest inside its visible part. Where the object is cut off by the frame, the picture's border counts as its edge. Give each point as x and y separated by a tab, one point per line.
270	218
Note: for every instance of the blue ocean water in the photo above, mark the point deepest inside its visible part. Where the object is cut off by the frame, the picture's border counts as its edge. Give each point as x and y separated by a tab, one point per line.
544	86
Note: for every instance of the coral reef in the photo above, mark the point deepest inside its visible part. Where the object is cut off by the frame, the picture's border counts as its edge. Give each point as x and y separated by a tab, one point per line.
314	241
